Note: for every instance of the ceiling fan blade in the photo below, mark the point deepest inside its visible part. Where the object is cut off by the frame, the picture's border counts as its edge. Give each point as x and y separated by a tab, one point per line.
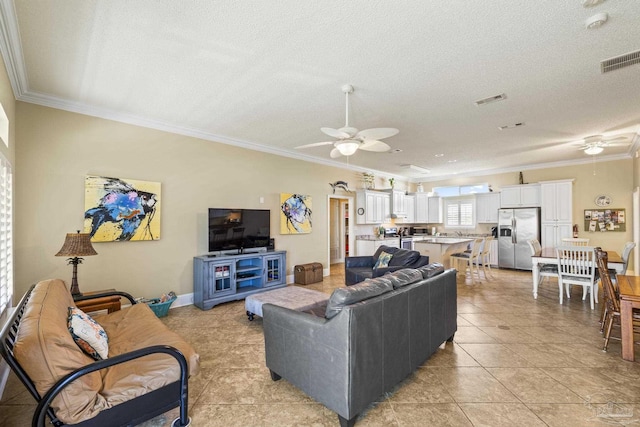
335	133
615	142
316	144
335	153
374	145
377	133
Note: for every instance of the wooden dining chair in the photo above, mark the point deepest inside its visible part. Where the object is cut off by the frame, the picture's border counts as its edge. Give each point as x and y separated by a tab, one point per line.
612	299
576	266
468	258
575	242
626	254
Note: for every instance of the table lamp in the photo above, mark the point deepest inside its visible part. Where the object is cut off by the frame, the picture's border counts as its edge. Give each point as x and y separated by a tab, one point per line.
75	246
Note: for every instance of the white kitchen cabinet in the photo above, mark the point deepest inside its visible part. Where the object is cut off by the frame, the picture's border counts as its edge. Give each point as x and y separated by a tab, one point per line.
372	207
410	205
397	203
422	208
369	247
520	196
554	232
557	201
493	256
487	206
435	215
556	212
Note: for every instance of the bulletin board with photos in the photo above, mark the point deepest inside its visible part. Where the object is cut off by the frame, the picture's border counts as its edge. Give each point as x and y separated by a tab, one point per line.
604	220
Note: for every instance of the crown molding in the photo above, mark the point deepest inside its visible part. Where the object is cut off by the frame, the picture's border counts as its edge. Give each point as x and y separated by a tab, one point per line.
11	48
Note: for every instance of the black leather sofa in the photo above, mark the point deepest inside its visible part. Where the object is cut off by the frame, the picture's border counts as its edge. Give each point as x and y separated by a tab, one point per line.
369	337
359	268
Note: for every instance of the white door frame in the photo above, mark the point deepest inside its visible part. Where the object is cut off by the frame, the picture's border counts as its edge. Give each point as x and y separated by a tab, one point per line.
350	200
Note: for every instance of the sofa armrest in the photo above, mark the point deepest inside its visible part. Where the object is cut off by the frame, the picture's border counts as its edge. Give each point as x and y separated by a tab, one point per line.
358	261
105	294
311	353
44	403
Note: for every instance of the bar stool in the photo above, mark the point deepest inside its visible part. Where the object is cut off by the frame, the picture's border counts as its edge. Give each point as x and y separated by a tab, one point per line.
468	258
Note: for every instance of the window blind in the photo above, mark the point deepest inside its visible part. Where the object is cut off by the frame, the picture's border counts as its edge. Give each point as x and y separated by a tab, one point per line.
460	212
6	234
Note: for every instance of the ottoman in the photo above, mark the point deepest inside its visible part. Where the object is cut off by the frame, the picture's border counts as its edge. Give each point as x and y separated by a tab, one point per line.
293	297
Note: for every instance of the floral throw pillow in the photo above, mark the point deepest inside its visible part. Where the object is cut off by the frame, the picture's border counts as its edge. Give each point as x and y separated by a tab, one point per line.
383	260
88	334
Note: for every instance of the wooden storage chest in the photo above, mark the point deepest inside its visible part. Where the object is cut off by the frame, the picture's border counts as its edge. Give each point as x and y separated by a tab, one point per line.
305	274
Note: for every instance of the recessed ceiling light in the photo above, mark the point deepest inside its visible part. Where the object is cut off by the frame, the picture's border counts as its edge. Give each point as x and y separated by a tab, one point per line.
452	161
596	20
438	155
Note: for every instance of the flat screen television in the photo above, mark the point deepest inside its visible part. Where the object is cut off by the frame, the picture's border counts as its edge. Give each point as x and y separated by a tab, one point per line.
238	229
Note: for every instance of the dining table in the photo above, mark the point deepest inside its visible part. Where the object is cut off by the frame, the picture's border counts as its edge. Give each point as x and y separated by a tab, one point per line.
549	256
629	288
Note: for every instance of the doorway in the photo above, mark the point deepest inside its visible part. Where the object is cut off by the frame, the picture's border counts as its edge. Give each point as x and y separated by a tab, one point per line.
340	228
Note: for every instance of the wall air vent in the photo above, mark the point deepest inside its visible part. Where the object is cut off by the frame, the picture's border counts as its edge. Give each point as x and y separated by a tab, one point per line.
494	98
620	61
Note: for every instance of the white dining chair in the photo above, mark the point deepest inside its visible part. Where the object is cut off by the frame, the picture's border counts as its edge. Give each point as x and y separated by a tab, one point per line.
575	242
577	266
545	270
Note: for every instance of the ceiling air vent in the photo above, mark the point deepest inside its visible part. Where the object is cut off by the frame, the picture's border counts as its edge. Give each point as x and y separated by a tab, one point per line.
513	126
494	98
620	61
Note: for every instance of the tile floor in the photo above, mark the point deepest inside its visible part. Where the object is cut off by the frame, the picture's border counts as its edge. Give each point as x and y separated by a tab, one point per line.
515	361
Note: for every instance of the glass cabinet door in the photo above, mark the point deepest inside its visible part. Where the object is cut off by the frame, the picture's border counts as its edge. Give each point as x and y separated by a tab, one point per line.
221	276
274	270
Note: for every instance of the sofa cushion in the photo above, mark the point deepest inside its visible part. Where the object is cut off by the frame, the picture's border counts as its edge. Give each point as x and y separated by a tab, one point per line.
47	352
342	297
403	277
404	258
88	334
133	328
431	270
383	260
383	248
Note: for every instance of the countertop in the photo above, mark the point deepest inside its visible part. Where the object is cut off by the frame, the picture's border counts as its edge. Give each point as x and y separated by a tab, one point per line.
445	240
372	237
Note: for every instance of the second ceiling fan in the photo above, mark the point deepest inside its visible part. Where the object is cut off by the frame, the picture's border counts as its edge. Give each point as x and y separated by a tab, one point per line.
349	139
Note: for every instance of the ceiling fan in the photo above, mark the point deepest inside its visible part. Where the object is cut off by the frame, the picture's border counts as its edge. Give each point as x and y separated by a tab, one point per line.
349	139
596	144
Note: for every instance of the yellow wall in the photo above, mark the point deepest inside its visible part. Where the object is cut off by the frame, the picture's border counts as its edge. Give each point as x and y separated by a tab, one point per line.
57	149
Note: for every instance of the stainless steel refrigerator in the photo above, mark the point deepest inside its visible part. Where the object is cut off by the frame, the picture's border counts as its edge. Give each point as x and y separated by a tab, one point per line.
515	228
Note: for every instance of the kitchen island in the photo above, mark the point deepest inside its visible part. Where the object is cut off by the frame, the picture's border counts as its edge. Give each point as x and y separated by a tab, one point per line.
440	249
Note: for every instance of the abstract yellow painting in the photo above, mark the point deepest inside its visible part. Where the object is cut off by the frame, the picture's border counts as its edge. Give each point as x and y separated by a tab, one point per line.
295	214
121	209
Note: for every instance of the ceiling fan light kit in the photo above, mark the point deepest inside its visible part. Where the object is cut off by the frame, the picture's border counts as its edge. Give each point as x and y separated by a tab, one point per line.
350	140
347	147
593	150
596	20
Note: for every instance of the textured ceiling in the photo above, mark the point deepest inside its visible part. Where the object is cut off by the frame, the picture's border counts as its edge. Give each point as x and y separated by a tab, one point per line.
267	75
